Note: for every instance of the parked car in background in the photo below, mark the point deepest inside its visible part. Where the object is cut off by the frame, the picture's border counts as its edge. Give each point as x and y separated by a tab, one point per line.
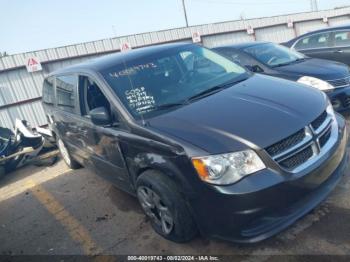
203	145
331	43
279	61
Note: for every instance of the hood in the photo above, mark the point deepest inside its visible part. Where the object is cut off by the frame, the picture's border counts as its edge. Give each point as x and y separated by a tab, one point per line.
255	113
319	68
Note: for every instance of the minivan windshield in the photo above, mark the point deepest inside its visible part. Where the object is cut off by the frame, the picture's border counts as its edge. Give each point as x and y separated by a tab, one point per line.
274	55
154	84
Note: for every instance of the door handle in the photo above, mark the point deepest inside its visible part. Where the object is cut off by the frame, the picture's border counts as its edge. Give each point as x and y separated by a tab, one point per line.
338	51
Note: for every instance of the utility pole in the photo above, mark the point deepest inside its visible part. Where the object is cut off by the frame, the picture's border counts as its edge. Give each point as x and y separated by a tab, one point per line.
184	8
314	5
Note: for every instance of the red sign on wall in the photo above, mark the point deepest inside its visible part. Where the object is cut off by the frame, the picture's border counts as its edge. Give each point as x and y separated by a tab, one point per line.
33	64
125	46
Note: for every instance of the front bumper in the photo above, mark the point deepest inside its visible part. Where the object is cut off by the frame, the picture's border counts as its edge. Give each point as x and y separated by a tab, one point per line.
265	203
340	98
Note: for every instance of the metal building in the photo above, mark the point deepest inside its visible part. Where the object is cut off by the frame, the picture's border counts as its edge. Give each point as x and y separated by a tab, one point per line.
20	91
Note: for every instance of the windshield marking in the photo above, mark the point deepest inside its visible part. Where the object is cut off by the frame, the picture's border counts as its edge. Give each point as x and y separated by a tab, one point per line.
132	70
138	99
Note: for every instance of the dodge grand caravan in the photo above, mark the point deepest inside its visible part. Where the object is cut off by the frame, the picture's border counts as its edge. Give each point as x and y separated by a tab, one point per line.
203	144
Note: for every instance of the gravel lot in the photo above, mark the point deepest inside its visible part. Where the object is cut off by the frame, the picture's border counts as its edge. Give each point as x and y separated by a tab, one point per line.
54	210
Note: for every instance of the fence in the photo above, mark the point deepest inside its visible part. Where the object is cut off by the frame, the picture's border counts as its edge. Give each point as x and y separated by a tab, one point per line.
20	91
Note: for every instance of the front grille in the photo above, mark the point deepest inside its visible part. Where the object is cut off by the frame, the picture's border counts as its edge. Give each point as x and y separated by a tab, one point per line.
286	143
347	102
303	145
340	82
325	137
319	120
297	159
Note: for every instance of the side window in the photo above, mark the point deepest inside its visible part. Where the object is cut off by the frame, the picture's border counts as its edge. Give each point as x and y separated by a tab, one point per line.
238	57
314	41
91	96
342	38
48	91
65	91
200	64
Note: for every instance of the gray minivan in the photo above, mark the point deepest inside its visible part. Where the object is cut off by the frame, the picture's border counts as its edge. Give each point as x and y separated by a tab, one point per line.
205	147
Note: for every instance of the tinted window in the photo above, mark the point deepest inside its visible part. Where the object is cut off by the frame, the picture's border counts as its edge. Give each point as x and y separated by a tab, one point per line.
342	38
273	55
48	91
237	57
313	41
91	96
65	91
168	77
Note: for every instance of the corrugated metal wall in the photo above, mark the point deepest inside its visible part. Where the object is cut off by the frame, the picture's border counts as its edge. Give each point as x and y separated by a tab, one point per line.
20	91
227	38
277	34
341	20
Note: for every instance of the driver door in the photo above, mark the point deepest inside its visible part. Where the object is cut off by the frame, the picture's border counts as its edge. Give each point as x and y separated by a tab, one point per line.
102	151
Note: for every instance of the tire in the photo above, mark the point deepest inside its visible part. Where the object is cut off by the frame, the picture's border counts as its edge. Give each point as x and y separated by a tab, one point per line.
169	205
71	163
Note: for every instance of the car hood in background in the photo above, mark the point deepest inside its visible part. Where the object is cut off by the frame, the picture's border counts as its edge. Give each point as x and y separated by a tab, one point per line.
320	68
257	112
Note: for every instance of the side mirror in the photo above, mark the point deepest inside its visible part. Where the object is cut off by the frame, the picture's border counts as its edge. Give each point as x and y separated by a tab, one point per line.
254	68
100	116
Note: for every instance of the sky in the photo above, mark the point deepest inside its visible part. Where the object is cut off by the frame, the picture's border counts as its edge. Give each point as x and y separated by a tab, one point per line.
29	25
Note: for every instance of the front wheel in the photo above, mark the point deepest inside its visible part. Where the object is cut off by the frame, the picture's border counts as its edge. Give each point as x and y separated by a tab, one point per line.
71	163
163	203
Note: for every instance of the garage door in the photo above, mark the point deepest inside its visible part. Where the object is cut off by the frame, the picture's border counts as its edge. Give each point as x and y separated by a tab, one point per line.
277	34
305	27
341	20
226	39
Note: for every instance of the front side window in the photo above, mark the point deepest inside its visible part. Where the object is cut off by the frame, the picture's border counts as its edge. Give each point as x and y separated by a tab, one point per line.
146	84
91	96
65	91
273	55
314	41
48	91
237	57
342	38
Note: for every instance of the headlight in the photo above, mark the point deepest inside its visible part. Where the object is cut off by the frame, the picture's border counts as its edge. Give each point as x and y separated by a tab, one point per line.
227	168
330	110
316	83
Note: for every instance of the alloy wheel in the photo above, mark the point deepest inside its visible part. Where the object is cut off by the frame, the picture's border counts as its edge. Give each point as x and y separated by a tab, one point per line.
155	208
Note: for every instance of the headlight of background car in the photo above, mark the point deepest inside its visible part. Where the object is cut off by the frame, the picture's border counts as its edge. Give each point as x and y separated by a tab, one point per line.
316	83
228	168
330	111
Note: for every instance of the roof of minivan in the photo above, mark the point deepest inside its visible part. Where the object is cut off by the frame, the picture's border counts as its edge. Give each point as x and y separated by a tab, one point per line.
101	63
241	45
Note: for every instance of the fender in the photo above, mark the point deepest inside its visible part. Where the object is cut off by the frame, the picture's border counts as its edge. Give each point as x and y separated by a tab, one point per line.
166	164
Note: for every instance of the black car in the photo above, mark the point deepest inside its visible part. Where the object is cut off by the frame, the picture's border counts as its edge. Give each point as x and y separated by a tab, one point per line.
205	146
331	43
279	61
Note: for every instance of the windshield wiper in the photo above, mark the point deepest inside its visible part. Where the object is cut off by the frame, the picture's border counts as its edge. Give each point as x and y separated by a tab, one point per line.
290	62
215	89
166	105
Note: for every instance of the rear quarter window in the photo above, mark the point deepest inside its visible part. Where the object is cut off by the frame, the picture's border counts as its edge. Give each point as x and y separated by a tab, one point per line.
48	91
66	92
